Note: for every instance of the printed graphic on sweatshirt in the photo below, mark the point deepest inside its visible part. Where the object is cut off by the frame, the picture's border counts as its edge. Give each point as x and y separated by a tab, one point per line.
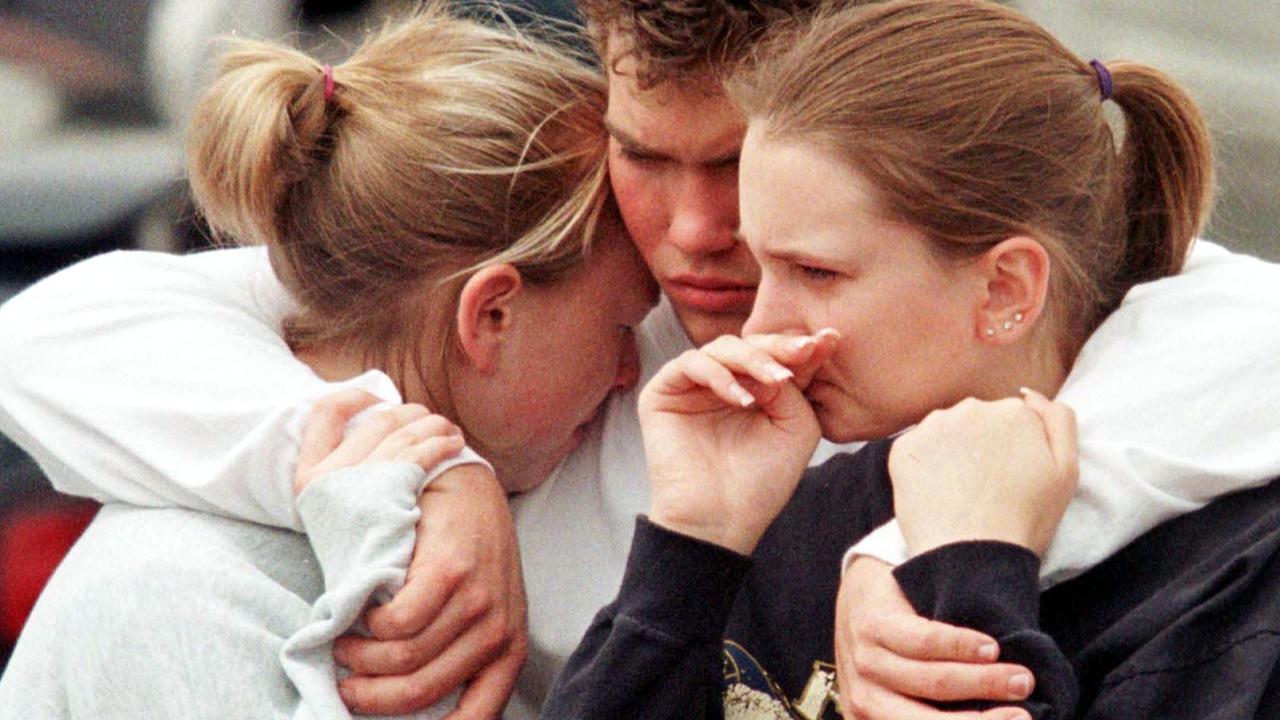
750	694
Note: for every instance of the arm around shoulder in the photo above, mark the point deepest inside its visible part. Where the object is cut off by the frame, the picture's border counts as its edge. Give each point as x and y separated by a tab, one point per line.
992	587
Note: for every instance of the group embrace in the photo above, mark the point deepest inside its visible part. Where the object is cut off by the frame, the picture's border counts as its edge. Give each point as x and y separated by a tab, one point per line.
785	360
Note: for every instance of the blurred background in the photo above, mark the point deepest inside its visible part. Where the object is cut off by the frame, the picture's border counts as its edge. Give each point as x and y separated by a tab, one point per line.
94	96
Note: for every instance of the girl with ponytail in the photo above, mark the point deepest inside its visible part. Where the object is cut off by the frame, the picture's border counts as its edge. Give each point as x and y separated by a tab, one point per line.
431	233
936	191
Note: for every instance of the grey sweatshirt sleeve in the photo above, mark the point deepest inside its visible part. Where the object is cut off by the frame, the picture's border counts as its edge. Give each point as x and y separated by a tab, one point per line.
361	523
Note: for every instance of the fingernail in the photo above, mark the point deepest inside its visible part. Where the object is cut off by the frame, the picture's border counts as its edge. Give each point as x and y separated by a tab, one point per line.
803	343
1020	685
740	394
988	652
777	372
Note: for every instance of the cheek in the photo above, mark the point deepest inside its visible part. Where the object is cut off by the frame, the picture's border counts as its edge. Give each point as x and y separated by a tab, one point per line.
574	384
640	202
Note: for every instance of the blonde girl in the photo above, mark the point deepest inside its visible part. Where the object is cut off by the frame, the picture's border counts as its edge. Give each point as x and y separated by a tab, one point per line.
432	232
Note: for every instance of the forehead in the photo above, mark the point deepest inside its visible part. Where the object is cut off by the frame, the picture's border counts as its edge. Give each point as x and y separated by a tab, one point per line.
691	121
778	174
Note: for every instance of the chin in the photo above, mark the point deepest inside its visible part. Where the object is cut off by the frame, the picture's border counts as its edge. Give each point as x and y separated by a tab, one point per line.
843	428
702	327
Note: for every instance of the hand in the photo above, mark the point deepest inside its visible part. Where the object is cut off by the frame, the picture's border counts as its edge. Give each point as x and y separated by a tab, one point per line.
1002	470
727	434
889	659
460	617
406	432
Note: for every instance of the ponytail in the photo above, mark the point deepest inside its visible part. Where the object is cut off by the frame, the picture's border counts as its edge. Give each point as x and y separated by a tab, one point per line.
1166	163
444	144
260	130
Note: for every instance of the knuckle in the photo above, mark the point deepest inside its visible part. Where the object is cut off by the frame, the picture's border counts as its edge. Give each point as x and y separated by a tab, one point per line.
410	696
453	568
995	684
518	649
439	424
858	700
403	656
476	602
926	638
327	405
493	636
936	687
395	621
864	661
384	423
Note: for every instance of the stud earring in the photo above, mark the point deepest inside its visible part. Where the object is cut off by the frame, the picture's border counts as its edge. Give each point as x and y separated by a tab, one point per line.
1008	325
1017	317
991	332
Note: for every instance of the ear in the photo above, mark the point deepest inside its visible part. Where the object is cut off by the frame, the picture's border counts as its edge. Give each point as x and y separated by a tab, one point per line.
1016	273
485	313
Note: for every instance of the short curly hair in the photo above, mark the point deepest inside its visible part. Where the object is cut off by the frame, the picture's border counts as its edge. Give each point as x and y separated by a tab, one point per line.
672	39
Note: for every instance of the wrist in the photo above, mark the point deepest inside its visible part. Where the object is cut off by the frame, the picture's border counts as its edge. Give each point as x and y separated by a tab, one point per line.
469	478
1025	537
714	531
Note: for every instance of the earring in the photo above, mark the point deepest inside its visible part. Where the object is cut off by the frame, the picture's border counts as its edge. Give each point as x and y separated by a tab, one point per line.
991	332
1008	324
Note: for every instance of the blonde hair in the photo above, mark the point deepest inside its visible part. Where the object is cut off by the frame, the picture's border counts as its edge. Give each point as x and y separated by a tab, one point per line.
975	125
445	145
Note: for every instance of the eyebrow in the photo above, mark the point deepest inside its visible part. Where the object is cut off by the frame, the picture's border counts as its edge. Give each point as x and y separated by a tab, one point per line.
630	142
635	146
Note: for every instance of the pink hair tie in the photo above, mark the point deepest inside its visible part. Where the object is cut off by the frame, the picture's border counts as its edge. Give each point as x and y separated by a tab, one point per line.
328	83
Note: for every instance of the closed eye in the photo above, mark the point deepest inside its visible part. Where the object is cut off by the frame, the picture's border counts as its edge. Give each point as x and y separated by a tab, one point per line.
639	157
813	272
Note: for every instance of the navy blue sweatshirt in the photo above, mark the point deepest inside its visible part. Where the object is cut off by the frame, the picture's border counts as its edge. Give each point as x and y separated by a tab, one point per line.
1183	623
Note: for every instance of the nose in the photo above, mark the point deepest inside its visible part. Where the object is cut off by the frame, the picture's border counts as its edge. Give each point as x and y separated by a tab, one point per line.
628	364
771	313
704	212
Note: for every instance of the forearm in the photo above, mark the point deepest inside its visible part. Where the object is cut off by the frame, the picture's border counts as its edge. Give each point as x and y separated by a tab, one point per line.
655	652
1202	344
159	380
992	587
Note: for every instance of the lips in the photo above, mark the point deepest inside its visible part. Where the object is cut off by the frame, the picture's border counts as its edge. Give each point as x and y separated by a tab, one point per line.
710	294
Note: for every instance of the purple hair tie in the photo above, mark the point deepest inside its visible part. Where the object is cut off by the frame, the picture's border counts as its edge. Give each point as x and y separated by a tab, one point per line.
1104	79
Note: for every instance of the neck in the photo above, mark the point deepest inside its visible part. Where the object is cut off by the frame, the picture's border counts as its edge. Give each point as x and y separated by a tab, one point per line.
332	361
1037	364
339	360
